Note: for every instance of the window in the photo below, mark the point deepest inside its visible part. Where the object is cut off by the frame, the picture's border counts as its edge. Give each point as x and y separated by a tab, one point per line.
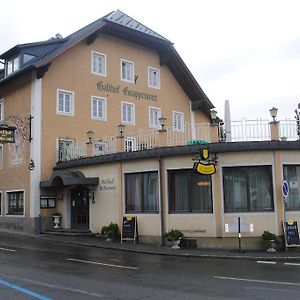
248	189
291	174
65	102
127	71
178	121
141	192
189	192
12	65
98	63
128	114
153	78
1	156
99	108
130	144
154	115
65	150
47	202
15	203
27	58
1	109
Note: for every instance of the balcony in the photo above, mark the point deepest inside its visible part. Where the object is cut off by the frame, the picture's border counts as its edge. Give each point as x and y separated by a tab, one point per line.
202	133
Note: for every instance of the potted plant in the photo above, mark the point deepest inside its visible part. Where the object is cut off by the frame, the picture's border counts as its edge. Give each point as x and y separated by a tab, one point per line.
270	240
110	231
56	220
174	237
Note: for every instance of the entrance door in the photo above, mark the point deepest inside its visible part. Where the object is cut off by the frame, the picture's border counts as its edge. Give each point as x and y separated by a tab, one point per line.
80	213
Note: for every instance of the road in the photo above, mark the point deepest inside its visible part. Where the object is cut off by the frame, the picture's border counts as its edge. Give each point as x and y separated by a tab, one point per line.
38	269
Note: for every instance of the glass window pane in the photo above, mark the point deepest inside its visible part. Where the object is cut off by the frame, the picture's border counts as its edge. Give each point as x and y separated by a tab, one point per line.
291	174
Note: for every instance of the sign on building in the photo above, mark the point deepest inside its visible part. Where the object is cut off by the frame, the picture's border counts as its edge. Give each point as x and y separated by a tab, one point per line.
7	134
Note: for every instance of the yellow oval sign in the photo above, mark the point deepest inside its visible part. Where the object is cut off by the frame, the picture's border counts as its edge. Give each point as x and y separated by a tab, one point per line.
204	169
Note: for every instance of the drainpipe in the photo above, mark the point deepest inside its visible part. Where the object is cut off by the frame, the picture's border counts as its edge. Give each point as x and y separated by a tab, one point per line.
161	210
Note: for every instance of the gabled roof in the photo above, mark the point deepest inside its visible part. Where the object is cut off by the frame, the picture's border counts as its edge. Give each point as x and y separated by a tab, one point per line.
122	26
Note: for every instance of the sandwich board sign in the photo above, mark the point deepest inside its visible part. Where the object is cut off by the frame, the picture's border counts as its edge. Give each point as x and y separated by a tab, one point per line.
129	229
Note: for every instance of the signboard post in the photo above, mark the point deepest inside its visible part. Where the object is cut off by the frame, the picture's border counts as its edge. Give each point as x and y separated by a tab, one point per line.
129	229
285	192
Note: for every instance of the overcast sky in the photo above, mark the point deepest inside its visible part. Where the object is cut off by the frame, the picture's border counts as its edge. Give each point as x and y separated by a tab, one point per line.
245	51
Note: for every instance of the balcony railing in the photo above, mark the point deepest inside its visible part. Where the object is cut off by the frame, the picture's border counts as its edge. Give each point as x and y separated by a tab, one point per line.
244	130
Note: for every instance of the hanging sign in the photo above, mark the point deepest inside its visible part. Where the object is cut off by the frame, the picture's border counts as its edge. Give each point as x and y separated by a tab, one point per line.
204	166
7	134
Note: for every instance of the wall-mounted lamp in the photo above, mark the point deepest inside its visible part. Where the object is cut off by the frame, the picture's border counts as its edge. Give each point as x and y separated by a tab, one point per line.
31	165
162	122
90	135
213	115
121	128
273	113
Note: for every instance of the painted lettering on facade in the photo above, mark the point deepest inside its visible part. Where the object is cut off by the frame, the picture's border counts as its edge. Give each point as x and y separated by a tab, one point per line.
107	185
115	89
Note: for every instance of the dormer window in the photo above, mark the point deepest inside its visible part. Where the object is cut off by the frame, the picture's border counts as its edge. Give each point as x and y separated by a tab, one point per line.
12	65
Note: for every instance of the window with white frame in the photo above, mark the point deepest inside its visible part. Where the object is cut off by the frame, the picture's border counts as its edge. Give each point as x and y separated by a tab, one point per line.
128	113
178	121
12	65
65	102
15	202
154	115
98	108
98	63
1	109
130	144
153	78
127	70
1	156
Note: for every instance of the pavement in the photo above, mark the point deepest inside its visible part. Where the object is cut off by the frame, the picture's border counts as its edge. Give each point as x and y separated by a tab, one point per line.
291	255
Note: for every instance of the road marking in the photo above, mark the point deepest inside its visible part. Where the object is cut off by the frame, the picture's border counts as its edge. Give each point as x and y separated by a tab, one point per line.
23	290
266	262
291	264
102	264
54	286
258	281
6	249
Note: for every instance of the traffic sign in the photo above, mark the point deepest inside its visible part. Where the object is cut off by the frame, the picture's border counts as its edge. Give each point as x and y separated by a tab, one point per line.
285	188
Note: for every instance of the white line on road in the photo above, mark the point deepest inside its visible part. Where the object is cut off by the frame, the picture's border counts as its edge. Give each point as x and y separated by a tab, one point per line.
266	262
291	264
102	264
6	249
258	281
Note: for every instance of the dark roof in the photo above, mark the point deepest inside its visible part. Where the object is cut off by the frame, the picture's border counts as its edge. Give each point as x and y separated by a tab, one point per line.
68	178
122	26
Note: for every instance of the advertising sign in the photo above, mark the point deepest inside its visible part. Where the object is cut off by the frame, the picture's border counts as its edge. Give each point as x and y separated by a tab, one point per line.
7	134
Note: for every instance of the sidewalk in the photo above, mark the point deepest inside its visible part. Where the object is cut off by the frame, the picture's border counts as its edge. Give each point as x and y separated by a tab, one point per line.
292	254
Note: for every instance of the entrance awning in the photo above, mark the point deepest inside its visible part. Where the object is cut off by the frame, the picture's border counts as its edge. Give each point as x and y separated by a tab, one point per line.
68	178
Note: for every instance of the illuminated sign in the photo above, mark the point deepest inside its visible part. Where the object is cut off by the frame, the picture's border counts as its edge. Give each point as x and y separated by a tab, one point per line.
7	134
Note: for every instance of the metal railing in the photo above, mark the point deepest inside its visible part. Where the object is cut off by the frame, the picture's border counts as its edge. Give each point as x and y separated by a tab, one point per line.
244	130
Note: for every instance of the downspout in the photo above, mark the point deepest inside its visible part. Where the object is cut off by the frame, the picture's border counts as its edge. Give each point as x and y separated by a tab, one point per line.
161	210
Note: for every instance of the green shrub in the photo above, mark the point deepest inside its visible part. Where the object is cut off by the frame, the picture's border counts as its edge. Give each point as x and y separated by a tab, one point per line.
110	230
268	236
173	235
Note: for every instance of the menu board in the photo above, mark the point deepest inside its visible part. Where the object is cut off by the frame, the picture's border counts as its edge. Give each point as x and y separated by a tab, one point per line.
129	228
291	234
